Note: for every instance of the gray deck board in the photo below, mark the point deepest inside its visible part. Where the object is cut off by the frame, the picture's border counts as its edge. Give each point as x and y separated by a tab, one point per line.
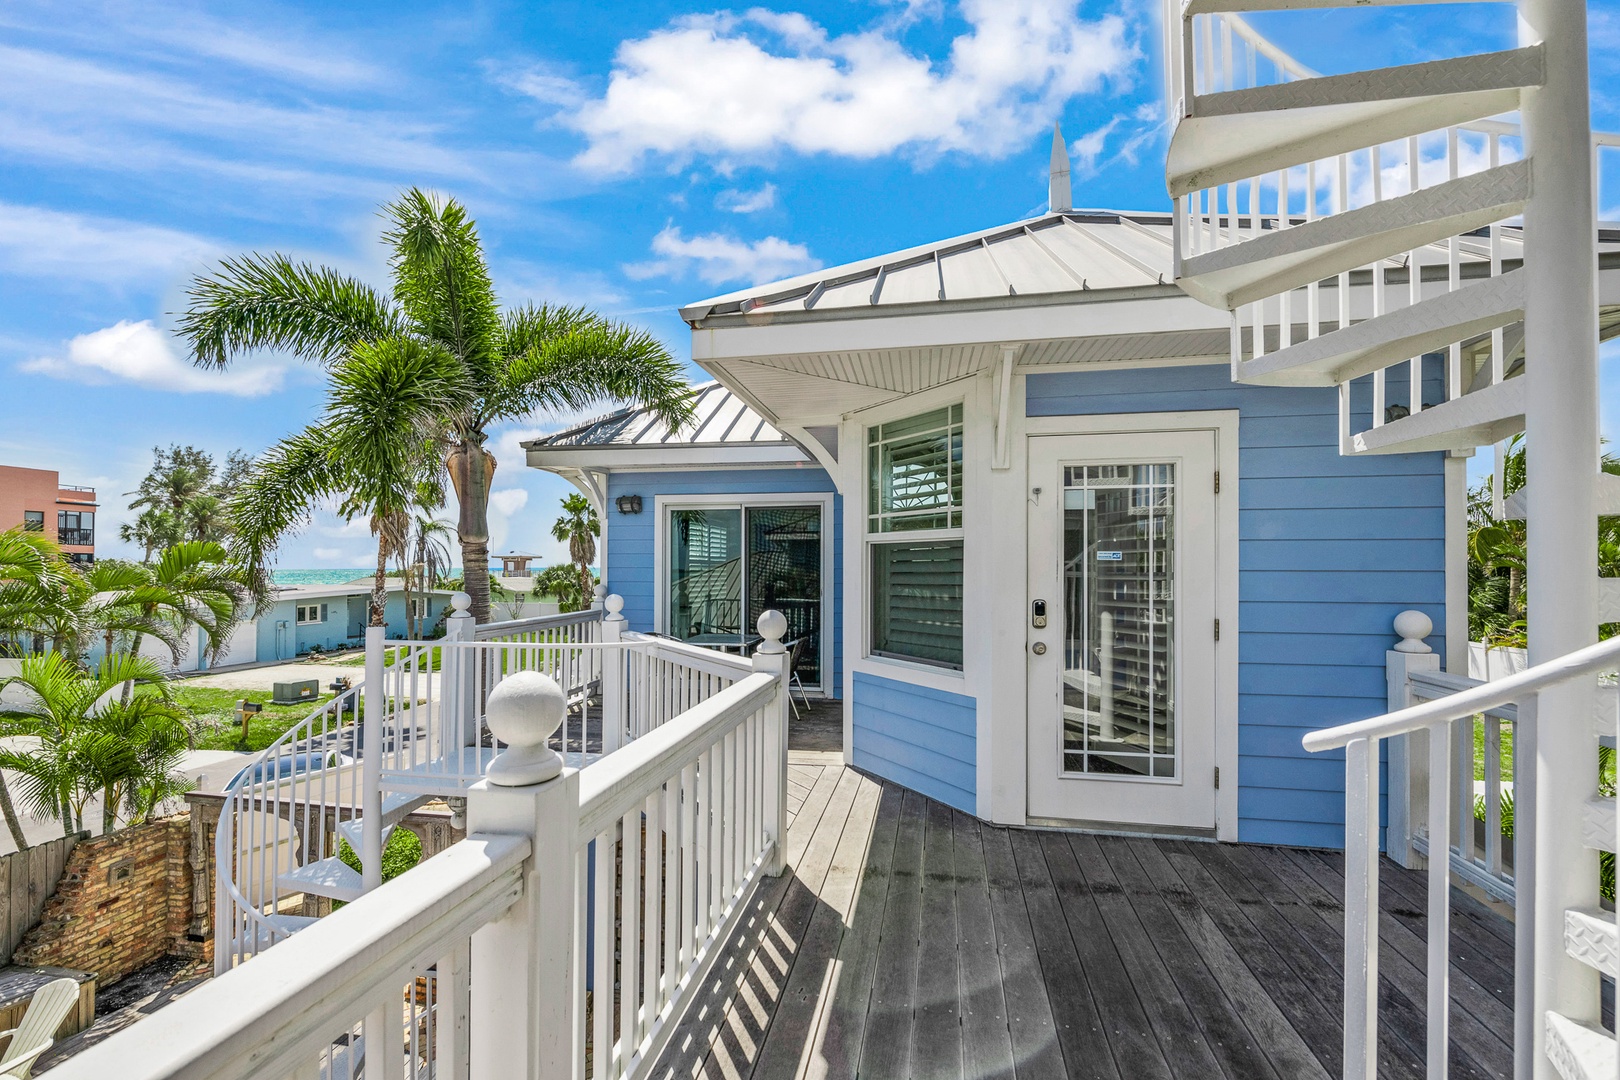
907	939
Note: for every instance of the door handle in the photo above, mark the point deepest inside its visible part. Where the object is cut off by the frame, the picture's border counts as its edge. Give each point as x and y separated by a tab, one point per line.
1039	648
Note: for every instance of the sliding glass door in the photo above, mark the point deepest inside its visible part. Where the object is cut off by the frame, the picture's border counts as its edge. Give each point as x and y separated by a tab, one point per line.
727	565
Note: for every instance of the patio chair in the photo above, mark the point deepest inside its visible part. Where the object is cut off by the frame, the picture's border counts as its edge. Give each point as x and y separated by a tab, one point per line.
793	648
46	1010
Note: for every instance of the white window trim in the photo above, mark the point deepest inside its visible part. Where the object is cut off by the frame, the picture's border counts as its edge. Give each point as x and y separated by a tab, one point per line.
300	609
664	504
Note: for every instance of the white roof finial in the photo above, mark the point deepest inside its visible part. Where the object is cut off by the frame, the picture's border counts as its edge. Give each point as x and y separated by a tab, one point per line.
1058	196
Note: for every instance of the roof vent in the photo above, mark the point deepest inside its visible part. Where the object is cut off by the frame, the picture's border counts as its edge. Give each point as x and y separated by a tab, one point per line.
1058	197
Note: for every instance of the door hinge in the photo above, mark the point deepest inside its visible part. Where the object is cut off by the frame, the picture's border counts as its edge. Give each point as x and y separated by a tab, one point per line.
1217	629
1217	778
1217	481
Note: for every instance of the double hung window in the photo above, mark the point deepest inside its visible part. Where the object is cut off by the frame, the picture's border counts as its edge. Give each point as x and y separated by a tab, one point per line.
914	537
311	613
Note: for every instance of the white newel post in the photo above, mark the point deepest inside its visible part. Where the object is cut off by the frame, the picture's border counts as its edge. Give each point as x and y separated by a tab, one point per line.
456	678
524	977
614	698
599	598
1408	757
772	656
371	751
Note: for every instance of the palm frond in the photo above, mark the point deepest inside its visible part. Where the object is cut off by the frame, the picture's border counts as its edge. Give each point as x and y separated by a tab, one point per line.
277	496
564	359
441	280
270	302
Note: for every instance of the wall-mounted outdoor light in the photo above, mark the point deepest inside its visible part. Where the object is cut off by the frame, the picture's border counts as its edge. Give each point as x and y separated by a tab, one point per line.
629	504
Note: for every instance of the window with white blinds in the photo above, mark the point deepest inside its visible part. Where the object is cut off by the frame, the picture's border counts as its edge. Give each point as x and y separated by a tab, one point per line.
915	487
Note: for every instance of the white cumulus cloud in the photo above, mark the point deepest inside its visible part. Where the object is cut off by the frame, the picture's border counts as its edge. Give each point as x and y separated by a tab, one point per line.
508	501
140	353
716	258
751	84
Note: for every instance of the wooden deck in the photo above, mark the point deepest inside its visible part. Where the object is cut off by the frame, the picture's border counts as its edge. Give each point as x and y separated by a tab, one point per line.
911	940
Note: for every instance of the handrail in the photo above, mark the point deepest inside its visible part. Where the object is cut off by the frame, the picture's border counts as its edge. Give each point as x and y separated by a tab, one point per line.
1444	683
274	1017
538	622
1588	661
615	784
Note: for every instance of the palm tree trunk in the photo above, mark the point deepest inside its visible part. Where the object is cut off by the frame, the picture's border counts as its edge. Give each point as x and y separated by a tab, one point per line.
379	586
109	810
472	471
10	813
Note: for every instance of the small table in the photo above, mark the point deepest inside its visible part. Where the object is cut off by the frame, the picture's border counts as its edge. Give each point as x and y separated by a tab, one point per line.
737	643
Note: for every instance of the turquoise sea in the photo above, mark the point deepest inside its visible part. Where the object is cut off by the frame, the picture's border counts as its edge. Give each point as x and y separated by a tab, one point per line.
328	576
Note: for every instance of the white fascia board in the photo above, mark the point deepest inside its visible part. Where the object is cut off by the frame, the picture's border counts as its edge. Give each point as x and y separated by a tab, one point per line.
1165	312
617	459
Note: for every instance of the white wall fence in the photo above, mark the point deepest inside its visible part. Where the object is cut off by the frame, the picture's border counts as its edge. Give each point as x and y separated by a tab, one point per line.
1430	735
563	938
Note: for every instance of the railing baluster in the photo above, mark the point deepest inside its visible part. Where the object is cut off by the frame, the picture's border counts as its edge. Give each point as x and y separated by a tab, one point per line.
604	937
654	874
1361	910
629	934
1439	929
1493	796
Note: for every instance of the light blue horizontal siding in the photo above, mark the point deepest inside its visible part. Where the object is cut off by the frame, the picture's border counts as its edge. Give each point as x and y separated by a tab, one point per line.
1330	549
923	738
630	537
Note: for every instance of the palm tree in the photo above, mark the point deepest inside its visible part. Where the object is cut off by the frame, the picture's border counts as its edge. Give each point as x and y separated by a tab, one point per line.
502	366
579	527
154	530
427	558
194	582
375	448
88	742
32	576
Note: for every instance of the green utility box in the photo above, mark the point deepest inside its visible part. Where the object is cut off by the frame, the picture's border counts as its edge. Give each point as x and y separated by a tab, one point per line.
291	693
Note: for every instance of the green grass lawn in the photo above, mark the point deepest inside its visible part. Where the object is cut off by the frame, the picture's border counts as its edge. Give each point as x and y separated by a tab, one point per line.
215	722
1479	749
431	663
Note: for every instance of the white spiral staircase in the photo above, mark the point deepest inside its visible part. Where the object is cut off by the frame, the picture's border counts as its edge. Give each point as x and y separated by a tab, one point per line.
1402	234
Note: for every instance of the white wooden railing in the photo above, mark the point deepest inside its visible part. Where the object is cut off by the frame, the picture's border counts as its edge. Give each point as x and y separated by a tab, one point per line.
381	988
1480	849
605	892
1217	52
1436	721
318	784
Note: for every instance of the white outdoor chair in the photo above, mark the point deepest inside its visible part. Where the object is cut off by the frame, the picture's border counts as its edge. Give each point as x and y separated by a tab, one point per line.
46	1010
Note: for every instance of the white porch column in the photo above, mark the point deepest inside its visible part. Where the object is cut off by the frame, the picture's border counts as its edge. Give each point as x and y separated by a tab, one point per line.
524	969
614	662
1408	757
1561	435
456	679
771	656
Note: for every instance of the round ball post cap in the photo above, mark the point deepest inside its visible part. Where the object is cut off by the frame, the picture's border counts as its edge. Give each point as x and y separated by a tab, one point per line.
614	603
599	590
461	602
523	712
1413	627
772	625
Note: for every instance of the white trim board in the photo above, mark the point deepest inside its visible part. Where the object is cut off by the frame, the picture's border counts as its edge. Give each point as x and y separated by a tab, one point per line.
662	504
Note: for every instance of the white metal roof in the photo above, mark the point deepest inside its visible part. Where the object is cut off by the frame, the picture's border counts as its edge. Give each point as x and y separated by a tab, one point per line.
722	419
1059	256
1072	251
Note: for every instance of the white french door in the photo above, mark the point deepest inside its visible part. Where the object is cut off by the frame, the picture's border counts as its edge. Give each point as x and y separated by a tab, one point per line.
1121	629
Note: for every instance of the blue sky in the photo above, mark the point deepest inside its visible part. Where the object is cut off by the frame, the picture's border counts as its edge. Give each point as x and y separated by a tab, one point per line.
630	157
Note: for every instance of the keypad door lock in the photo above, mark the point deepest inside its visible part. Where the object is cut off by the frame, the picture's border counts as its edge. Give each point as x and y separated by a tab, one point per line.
1037	614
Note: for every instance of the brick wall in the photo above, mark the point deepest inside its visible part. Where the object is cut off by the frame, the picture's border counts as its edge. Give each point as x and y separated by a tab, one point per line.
124	901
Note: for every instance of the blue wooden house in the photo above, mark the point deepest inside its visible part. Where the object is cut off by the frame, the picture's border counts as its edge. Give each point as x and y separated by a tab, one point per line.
1064	569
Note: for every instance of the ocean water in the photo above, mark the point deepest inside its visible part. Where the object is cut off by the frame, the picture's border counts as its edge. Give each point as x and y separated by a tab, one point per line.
328	576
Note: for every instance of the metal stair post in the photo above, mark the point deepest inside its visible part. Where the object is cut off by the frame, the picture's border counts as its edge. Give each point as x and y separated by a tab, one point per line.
1561	431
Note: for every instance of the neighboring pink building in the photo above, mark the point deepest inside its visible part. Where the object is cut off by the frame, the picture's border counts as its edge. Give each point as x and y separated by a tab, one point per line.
36	499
